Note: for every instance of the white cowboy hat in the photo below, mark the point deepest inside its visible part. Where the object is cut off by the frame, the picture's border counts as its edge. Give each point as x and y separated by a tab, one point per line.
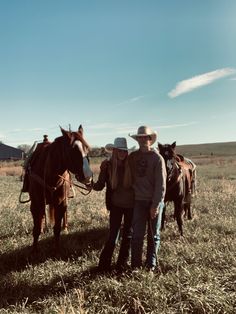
119	143
145	131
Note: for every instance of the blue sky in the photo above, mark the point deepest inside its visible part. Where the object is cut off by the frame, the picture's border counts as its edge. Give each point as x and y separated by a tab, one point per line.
116	65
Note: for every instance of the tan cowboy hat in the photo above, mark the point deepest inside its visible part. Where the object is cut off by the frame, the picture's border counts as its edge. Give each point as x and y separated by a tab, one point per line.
119	143
144	131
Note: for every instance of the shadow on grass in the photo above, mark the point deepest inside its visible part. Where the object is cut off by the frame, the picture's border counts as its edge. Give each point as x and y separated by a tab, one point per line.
33	295
72	245
21	292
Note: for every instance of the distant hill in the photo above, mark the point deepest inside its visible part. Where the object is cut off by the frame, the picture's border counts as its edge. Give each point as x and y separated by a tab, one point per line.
208	149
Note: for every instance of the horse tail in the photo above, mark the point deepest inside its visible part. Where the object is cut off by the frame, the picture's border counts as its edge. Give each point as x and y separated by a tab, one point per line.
187	191
194	181
193	175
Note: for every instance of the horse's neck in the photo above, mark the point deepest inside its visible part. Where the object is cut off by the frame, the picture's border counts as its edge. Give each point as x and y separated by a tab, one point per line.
175	173
54	164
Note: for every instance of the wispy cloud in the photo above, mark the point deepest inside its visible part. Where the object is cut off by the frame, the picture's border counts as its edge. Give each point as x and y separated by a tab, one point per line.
98	126
129	101
114	128
198	81
179	125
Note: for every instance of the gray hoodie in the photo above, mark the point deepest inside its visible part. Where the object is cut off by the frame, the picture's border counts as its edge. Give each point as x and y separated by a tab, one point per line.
148	172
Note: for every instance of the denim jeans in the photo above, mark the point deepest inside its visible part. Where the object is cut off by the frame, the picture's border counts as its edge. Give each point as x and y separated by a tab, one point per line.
116	216
141	223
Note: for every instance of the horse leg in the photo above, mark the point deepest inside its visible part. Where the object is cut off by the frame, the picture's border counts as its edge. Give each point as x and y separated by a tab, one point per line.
51	214
163	218
43	224
178	205
59	214
187	206
64	222
38	217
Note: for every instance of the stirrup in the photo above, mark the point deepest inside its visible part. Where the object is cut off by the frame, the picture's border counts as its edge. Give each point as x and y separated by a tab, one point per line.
20	200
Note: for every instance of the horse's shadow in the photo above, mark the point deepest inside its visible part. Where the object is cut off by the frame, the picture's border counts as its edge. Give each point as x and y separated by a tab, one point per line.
72	246
23	293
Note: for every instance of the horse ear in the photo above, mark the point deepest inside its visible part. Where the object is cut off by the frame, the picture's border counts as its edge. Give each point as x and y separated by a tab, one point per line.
65	133
80	129
159	145
173	145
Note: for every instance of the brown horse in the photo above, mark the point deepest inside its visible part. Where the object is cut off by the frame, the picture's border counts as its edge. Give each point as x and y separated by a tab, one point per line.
180	185
50	180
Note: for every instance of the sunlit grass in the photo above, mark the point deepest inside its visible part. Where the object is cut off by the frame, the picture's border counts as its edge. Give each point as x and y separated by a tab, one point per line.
198	270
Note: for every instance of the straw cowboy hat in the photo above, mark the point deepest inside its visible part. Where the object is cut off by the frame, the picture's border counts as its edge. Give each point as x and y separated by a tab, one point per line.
119	143
145	131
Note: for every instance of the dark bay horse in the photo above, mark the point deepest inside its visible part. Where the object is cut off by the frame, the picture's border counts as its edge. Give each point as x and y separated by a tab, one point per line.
50	180
180	185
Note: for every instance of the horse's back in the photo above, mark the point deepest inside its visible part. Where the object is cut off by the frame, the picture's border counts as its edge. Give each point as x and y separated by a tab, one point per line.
185	163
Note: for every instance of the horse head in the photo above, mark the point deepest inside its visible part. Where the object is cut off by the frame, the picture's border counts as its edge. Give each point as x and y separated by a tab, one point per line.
167	151
76	155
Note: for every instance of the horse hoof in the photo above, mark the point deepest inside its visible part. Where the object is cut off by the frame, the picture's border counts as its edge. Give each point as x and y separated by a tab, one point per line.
34	250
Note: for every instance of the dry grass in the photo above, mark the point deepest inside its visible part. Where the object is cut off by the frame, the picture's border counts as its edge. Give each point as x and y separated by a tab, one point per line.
198	271
10	168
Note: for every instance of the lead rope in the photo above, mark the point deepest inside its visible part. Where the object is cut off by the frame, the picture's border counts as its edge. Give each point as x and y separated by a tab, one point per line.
77	185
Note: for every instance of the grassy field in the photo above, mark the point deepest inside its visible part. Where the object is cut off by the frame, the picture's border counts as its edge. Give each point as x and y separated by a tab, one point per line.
198	270
210	149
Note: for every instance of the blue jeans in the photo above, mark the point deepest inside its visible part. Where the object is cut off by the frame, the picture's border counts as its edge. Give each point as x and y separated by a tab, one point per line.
116	216
141	222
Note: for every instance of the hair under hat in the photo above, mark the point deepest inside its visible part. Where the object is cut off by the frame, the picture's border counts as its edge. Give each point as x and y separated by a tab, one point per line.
119	143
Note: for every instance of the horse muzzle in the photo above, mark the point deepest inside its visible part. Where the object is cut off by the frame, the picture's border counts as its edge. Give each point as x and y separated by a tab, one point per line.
87	173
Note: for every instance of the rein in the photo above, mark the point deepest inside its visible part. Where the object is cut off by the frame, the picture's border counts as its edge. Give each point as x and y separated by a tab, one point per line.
78	186
42	182
61	181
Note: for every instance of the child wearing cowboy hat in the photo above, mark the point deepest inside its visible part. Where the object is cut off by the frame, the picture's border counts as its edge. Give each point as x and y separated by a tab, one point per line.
148	173
114	175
